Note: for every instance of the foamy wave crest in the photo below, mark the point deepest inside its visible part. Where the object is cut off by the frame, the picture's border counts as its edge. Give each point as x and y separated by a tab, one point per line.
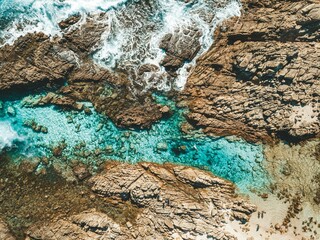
8	136
137	30
19	17
131	43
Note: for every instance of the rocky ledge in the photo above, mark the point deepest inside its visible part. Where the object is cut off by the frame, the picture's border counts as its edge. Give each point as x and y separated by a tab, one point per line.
260	80
64	65
171	202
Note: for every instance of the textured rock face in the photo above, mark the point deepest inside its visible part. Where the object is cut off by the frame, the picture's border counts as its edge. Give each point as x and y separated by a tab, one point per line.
260	80
33	60
175	202
180	47
36	61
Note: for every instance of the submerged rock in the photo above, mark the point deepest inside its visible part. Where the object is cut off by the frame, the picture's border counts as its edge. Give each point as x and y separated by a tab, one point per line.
2	111
54	99
11	111
35	126
162	146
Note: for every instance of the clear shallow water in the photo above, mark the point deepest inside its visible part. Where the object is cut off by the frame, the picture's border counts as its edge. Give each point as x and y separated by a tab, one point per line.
133	33
92	137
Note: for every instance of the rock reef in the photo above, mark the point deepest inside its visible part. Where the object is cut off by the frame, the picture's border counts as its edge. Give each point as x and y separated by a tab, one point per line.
173	202
36	62
260	79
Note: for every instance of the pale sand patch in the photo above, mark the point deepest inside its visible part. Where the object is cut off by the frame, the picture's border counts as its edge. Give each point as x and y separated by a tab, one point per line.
303	116
295	169
275	211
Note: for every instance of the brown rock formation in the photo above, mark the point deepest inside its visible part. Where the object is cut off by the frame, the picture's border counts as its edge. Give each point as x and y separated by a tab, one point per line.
36	61
31	62
180	48
176	202
260	80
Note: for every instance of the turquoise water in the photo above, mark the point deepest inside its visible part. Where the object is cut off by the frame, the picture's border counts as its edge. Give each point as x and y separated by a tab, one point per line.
125	44
93	137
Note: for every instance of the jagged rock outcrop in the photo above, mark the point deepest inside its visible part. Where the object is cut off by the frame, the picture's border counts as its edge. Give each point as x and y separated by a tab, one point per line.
260	79
37	62
33	61
54	99
180	47
175	202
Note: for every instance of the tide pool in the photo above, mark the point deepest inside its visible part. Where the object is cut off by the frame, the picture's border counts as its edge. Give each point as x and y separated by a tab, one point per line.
92	139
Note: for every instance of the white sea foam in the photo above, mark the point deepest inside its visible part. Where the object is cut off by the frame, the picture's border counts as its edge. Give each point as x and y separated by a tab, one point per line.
44	15
134	33
133	39
7	136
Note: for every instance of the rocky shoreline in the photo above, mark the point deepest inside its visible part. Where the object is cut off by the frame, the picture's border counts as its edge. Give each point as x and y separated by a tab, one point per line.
153	201
259	81
63	66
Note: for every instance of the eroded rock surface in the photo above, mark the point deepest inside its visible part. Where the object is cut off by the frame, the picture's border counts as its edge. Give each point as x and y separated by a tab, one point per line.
31	62
260	80
180	48
176	202
64	66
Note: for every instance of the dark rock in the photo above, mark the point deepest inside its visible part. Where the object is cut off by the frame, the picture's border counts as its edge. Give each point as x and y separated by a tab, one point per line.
69	21
180	47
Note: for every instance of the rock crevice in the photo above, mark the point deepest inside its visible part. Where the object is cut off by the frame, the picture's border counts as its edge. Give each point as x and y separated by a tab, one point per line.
260	79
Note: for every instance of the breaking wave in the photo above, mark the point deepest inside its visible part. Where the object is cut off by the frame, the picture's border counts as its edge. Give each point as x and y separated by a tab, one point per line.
8	136
136	30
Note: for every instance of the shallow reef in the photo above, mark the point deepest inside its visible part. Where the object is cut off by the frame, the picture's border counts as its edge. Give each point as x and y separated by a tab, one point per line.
92	139
27	198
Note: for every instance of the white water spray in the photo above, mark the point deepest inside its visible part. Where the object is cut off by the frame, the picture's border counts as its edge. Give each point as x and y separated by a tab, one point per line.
136	29
7	136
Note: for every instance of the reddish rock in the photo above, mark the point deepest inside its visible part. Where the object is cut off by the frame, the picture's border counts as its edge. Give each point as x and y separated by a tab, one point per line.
171	200
260	79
